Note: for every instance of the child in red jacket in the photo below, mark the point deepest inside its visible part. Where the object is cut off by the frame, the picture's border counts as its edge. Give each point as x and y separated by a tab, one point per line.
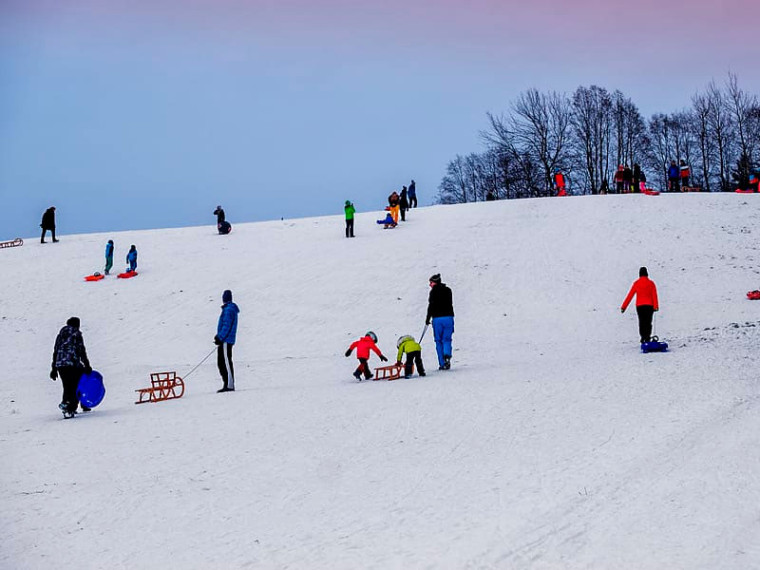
646	303
363	346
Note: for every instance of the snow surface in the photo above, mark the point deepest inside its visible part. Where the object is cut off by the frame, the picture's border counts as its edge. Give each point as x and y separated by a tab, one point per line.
552	443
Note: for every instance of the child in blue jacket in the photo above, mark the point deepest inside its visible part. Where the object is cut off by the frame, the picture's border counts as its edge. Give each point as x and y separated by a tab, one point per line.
132	259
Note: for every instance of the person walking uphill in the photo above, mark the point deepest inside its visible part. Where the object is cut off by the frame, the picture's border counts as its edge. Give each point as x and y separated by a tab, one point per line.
69	362
350	211
109	256
226	331
646	303
441	311
48	223
363	346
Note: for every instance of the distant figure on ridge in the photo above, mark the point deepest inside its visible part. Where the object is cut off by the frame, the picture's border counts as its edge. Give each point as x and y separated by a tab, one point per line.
393	205
403	203
222	225
48	223
627	179
685	173
646	303
441	311
132	259
363	346
109	256
350	211
412	193
226	331
559	182
674	175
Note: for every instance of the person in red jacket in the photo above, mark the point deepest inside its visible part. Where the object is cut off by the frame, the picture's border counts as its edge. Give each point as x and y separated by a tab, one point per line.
646	303
363	346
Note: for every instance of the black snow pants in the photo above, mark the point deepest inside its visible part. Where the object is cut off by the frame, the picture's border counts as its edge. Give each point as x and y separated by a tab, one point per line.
363	368
350	228
645	313
416	359
70	376
226	368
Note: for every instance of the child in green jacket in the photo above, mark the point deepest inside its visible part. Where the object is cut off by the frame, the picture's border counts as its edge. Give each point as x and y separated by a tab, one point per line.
350	211
406	344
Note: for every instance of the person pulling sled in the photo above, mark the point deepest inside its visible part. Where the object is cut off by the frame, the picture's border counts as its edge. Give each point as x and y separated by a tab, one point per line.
646	303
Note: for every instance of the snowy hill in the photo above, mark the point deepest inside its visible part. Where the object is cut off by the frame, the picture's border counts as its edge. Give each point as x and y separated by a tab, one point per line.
552	443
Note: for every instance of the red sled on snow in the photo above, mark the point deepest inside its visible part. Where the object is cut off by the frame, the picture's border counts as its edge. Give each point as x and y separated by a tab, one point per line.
650	192
127	275
95	277
753	295
12	243
748	191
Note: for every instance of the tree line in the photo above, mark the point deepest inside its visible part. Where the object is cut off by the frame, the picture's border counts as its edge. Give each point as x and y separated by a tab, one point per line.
588	134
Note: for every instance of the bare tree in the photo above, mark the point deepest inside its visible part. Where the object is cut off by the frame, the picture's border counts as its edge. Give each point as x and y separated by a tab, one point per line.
720	124
741	105
591	121
700	124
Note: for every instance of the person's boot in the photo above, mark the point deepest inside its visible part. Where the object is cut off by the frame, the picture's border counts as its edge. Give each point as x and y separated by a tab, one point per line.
446	362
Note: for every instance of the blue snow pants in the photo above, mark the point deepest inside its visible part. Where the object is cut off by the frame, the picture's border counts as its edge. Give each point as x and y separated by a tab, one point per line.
443	328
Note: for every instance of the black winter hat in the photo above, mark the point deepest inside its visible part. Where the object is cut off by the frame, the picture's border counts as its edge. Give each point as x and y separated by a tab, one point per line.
227	296
435	278
73	322
643	272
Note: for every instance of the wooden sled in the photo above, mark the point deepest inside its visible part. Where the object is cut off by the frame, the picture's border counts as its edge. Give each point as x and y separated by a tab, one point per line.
12	243
163	386
392	372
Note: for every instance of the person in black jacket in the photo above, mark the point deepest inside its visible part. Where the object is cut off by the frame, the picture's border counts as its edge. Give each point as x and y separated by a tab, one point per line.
222	225
403	203
69	362
441	312
48	223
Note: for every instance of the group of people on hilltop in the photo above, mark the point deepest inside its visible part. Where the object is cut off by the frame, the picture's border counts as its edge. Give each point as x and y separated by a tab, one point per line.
678	176
398	204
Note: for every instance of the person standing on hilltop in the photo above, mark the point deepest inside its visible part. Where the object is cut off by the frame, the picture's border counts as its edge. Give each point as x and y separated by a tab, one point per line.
646	303
412	194
350	211
132	259
403	203
48	223
109	256
222	225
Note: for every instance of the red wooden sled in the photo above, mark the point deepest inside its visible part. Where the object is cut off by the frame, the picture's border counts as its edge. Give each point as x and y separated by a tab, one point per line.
12	243
163	386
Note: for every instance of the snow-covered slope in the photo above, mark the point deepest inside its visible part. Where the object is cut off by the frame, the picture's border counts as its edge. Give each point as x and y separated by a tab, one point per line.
552	443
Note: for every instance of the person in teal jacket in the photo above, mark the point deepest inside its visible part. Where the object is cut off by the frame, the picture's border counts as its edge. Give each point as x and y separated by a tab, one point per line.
406	344
350	211
132	259
109	256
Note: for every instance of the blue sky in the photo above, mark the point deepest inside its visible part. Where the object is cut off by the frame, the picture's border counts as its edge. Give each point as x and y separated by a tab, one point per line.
131	115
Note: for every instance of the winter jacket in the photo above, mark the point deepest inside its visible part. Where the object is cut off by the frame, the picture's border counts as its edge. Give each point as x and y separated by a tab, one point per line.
646	294
350	211
48	219
226	329
674	172
132	257
412	190
403	201
219	213
409	345
439	302
109	251
363	346
69	349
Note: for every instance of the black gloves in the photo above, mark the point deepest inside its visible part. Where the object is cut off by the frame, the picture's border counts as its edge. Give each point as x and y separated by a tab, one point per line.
53	373
217	341
348	353
383	359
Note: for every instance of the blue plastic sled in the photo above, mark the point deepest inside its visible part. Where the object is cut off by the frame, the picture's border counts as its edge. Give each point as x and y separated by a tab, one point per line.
654	345
91	389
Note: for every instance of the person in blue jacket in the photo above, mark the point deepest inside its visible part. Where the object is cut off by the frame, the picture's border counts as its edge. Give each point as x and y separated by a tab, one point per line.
109	256
674	176
226	331
132	259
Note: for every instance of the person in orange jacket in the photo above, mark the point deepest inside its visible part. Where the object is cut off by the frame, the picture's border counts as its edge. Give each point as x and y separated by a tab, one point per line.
646	303
363	346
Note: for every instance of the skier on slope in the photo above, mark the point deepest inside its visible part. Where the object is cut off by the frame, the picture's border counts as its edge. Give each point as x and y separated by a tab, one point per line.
646	303
69	362
226	331
363	346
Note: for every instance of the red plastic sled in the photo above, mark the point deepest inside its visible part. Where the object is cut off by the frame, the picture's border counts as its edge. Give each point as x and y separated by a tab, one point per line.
650	192
127	275
753	295
740	191
96	277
